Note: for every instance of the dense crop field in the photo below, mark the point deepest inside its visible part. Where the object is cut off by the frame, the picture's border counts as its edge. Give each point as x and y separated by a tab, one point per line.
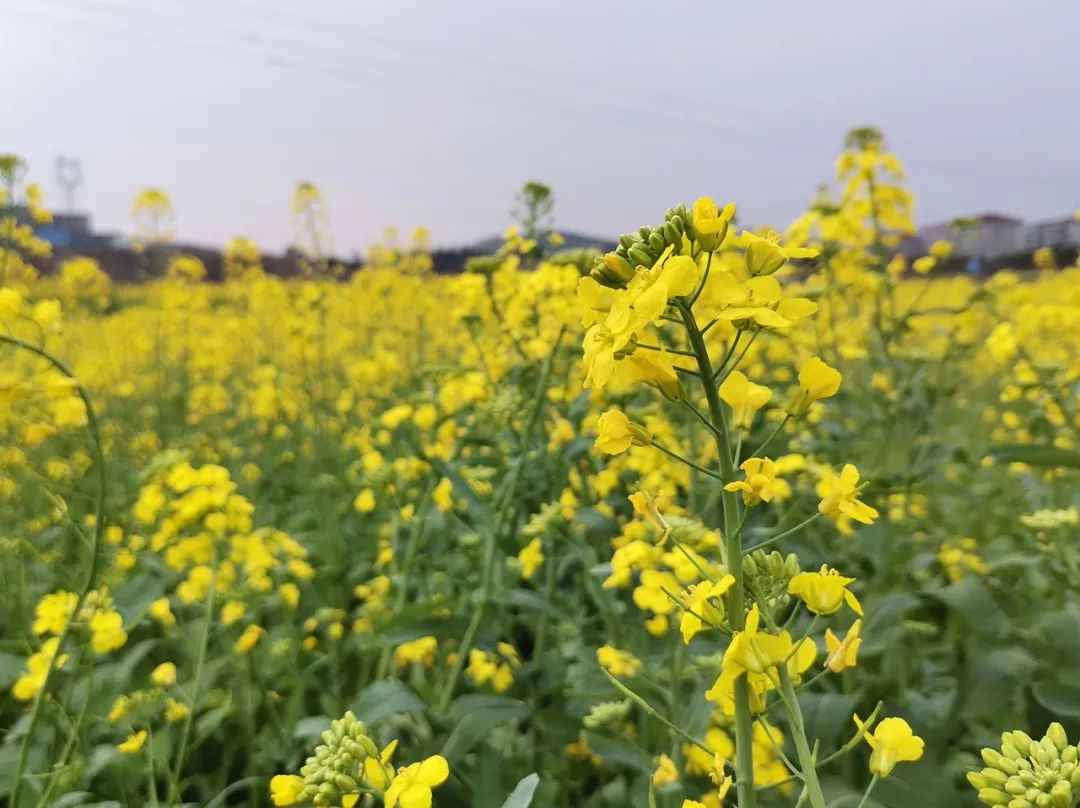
719	518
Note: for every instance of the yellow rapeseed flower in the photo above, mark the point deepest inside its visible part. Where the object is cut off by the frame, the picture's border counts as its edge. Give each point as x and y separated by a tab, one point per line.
892	742
824	592
411	787
133	743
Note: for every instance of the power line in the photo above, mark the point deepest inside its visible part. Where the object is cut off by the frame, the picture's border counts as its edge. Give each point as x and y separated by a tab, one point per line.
255	44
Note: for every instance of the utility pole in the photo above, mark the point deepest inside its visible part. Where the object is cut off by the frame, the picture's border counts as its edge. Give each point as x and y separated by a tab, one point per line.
69	178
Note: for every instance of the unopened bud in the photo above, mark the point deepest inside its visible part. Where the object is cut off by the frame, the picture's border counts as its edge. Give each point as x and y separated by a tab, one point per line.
1056	733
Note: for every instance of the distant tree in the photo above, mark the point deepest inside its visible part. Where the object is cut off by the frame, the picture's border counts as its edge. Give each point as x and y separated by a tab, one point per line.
535	203
864	137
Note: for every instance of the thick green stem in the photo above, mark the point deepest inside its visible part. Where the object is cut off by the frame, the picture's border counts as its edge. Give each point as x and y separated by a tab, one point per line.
744	726
798	733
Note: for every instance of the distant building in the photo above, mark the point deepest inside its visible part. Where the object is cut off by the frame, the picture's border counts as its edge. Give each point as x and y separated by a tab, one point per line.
994	236
1053	233
987	236
67	231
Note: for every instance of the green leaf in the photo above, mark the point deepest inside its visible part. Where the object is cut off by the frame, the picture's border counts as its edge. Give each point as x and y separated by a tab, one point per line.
382	699
477	715
11	667
310	728
133	598
462	706
826	714
1036	455
621	752
1060	699
522	795
530	601
970	598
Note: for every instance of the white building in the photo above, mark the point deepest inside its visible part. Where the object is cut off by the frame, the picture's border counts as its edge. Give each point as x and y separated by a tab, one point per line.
1053	233
988	235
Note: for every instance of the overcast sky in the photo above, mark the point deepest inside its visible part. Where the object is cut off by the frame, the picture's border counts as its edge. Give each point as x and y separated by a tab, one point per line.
435	112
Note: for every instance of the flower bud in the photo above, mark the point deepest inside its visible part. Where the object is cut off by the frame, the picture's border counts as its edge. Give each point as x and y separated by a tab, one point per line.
640	256
618	266
991	796
1056	733
1061	795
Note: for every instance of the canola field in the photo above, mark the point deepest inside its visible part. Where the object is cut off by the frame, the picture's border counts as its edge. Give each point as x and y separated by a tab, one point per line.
724	517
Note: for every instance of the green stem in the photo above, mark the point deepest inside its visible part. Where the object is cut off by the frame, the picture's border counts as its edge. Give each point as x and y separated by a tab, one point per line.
94	429
688	462
411	549
721	373
786	533
549	590
200	664
648	708
744	728
869	788
798	732
769	439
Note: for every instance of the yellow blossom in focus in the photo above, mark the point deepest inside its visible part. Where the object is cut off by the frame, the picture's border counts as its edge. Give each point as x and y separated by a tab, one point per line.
840	497
760	483
892	742
843	654
615	433
411	787
824	592
744	397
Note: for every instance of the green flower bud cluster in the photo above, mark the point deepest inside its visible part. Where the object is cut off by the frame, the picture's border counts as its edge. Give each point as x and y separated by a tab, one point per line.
607	714
541	522
336	767
10	547
483	264
1030	774
687	532
767	576
642	249
501	409
581	259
